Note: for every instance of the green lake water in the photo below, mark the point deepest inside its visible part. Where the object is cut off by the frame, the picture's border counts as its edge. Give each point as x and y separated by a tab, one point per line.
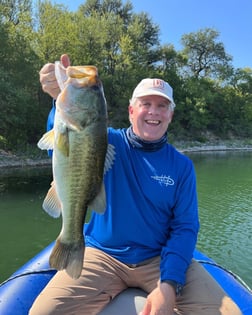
224	183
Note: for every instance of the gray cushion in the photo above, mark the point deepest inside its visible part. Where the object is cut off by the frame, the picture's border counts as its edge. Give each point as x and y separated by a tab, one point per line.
130	301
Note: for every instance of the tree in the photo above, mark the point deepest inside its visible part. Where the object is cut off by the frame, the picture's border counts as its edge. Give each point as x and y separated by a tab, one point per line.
56	31
13	11
121	44
101	7
209	93
20	119
240	96
206	57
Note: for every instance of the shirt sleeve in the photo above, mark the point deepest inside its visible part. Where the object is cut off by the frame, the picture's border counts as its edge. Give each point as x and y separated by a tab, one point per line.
50	118
177	253
50	122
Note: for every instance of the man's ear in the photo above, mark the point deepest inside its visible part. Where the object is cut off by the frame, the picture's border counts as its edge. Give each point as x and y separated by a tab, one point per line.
130	109
171	116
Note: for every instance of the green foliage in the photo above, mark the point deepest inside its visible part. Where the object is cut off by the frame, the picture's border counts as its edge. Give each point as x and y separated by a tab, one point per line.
18	82
56	31
206	56
211	96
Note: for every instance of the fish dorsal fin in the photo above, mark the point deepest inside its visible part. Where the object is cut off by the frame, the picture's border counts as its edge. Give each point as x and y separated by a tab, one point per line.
98	204
52	204
60	74
47	141
110	157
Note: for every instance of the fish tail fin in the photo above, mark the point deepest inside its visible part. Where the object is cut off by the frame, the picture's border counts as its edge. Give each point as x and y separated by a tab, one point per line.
68	256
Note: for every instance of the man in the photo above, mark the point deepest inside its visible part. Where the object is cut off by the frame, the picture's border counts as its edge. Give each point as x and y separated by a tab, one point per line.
148	233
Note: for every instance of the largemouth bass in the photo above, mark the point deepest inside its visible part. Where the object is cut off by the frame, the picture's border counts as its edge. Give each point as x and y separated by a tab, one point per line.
79	143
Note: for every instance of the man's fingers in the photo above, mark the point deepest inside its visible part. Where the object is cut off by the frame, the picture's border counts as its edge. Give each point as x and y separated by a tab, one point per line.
49	67
47	76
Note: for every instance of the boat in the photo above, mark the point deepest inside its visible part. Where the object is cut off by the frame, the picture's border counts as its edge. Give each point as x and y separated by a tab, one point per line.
19	291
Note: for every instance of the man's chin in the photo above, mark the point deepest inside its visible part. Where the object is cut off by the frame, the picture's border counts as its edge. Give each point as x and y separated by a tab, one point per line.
150	137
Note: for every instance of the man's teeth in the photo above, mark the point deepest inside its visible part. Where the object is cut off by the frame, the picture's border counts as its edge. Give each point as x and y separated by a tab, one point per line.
156	122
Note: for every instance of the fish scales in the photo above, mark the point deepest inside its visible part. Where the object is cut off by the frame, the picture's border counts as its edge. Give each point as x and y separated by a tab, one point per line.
80	146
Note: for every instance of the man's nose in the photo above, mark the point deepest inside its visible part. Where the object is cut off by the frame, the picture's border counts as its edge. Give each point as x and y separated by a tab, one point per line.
153	110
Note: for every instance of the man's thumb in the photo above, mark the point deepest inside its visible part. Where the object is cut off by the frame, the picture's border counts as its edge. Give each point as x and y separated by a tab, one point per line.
65	60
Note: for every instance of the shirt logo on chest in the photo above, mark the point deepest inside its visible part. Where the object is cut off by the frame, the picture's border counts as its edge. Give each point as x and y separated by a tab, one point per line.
164	180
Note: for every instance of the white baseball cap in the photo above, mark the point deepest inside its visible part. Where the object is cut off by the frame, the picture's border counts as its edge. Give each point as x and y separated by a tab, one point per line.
154	87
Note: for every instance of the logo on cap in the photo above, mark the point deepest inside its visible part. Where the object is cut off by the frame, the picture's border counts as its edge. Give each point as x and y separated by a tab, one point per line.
159	84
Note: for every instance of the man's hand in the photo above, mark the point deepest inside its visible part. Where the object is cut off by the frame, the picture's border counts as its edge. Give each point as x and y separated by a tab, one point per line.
48	79
161	301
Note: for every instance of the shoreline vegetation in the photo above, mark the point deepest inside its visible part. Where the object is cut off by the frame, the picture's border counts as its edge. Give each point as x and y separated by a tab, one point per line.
213	97
14	160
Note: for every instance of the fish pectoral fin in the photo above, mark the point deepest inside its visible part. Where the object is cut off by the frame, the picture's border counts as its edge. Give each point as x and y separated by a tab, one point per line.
73	125
98	204
52	204
110	157
47	141
62	143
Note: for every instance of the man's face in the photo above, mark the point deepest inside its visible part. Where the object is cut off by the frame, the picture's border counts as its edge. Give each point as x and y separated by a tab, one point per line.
150	116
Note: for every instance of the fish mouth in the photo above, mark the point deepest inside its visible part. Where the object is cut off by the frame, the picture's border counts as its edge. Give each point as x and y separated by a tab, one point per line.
153	122
84	76
79	72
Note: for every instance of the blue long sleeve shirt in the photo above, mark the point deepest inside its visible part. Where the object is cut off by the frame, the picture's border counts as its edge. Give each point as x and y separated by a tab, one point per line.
151	208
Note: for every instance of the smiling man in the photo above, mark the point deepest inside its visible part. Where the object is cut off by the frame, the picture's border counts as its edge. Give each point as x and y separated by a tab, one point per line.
148	233
151	109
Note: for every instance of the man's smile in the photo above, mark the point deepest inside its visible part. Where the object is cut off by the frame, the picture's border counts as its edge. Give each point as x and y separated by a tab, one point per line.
153	122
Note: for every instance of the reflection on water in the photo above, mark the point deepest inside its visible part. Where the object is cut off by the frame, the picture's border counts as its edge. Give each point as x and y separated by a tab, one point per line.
24	179
225	202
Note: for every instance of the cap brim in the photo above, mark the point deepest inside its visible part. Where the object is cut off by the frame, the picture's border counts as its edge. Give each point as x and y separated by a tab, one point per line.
155	93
